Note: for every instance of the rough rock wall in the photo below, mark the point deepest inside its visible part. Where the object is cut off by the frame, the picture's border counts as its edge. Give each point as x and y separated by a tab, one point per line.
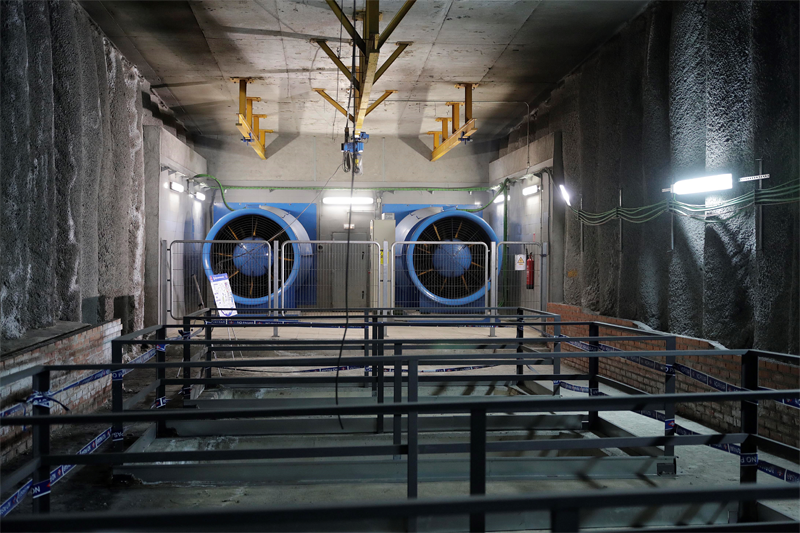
687	88
72	171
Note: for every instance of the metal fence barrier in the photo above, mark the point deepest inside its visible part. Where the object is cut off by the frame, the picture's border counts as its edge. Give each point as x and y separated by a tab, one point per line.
564	515
319	284
439	275
430	276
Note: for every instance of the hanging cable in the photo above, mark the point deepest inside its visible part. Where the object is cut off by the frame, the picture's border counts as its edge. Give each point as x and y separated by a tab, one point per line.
349	227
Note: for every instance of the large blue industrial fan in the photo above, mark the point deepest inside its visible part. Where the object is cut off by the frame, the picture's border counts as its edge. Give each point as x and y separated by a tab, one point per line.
249	261
448	273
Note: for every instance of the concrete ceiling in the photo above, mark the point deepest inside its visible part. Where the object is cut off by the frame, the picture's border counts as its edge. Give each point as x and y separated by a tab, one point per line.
517	50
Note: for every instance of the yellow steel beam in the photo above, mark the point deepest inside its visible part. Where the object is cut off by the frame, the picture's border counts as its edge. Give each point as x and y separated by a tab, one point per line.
444	121
448	144
387	31
381	98
437	136
348	26
247	122
388	62
336	61
367	78
456	114
334	103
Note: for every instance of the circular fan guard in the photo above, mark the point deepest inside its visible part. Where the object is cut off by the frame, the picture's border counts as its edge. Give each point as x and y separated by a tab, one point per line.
249	263
451	270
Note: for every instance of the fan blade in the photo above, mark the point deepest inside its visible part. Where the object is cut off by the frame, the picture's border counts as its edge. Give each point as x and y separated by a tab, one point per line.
437	232
255	227
234	234
465	282
459	229
251	287
477	265
431	270
231	276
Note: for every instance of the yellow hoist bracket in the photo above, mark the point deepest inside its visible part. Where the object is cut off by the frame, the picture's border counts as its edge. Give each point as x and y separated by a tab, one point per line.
368	46
248	123
449	140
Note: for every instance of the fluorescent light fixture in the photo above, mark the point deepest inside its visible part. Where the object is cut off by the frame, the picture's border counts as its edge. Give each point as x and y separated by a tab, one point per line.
346	200
527	191
200	196
720	182
177	187
478	203
565	194
499	199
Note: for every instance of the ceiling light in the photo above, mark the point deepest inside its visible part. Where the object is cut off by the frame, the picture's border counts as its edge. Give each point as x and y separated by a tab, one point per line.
527	191
177	187
200	196
719	182
347	200
565	194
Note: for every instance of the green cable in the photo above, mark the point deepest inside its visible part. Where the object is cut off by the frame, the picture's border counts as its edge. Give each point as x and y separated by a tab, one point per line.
221	191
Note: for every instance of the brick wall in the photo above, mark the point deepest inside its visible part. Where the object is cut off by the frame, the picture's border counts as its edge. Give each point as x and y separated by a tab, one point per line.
776	421
88	346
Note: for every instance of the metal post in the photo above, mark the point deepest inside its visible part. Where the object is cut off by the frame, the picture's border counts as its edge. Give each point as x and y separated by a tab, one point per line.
557	349
209	350
493	289
41	444
164	294
594	368
187	357
381	387
670	380
748	460
277	263
581	208
520	335
477	464
161	375
413	435
116	395
543	278
375	353
397	423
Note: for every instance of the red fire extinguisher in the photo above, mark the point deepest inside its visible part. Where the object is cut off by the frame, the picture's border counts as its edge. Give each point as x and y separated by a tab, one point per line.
529	272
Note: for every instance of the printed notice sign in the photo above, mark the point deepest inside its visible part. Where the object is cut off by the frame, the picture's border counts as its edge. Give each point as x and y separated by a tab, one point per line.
223	295
519	262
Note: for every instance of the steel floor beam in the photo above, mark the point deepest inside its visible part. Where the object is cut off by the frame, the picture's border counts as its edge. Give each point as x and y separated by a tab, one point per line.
308	426
394	471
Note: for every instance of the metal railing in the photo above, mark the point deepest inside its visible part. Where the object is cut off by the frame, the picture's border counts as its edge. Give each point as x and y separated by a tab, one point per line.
386	372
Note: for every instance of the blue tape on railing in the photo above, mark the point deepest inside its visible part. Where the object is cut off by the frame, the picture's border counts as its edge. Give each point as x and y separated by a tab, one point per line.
13	409
748	459
15	498
159	403
40	489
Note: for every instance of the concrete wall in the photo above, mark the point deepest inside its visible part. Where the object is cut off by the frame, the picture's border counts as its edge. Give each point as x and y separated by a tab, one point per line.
73	171
687	88
390	160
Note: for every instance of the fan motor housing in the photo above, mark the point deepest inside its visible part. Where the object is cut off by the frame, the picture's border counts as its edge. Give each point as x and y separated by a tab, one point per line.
249	262
446	276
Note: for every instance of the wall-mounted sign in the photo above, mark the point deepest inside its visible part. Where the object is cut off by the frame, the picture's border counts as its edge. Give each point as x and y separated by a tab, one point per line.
519	262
